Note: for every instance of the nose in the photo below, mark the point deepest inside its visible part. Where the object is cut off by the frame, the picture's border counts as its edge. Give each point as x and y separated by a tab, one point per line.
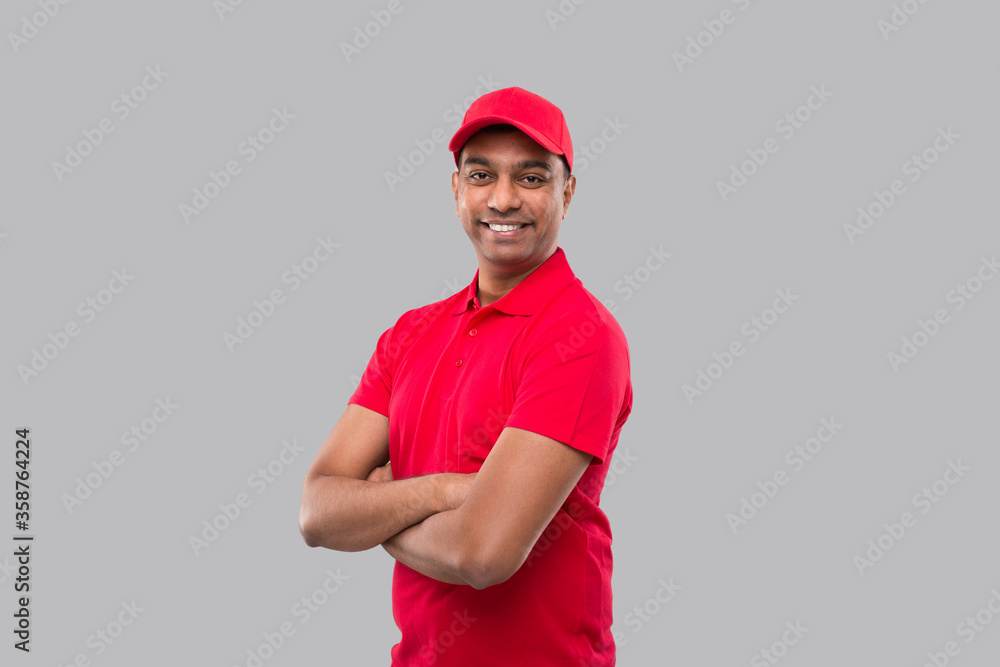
504	195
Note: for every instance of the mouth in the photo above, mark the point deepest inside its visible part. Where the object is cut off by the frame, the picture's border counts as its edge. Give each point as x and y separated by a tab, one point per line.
504	229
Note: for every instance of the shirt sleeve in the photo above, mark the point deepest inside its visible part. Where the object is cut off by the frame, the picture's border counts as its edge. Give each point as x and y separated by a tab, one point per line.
575	388
375	388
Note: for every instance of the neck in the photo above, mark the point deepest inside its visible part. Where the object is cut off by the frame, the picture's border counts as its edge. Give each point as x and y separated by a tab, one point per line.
496	282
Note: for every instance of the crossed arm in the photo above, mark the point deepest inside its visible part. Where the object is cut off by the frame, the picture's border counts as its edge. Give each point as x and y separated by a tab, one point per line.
462	529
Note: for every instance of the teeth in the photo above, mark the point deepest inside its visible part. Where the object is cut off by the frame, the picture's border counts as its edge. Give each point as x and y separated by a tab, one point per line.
504	228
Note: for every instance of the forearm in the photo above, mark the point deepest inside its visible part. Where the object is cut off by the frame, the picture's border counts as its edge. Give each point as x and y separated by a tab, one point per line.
519	490
347	514
433	547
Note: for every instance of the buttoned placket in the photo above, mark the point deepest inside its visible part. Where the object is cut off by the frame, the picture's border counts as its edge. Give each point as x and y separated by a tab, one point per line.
469	337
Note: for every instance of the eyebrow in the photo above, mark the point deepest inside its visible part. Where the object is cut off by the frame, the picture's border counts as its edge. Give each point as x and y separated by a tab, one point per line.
518	166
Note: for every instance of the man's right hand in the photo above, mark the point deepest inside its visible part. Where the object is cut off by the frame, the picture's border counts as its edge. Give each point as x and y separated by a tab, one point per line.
345	508
453	486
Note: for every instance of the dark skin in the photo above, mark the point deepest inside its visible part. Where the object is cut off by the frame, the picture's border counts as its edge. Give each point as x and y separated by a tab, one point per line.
509	178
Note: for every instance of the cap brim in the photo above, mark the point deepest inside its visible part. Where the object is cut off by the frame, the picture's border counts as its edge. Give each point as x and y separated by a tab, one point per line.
466	131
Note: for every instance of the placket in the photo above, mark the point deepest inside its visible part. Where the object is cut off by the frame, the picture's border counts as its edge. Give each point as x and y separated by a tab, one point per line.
465	344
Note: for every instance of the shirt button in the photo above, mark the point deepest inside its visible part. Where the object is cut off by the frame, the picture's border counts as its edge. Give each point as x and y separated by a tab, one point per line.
473	332
458	363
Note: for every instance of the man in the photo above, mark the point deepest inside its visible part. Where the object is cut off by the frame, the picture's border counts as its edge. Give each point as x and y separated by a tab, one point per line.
475	448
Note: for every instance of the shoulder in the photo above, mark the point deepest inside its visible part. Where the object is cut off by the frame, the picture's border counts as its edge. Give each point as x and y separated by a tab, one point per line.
576	318
575	306
415	321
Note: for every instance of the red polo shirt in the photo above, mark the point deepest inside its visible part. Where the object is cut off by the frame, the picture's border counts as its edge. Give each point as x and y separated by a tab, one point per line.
547	357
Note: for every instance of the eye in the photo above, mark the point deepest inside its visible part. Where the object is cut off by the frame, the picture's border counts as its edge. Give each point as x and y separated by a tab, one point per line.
474	175
531	179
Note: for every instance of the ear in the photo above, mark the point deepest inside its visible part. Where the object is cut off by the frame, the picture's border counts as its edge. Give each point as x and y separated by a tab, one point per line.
454	189
568	194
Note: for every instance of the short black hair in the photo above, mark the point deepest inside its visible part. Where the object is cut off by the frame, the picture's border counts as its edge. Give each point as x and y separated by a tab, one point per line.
503	128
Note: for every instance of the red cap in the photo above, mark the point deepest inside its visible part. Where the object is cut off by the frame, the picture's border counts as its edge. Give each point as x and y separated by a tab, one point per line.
535	116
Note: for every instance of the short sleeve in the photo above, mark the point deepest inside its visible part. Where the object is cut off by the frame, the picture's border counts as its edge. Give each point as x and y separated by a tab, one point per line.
375	388
576	389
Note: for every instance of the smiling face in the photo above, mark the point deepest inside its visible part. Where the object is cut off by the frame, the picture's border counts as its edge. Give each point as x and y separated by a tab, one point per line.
506	178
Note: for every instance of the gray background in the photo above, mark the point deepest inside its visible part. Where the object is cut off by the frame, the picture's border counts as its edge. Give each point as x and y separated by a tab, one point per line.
691	463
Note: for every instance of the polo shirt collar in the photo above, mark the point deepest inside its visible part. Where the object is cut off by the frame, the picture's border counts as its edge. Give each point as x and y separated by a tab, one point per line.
529	295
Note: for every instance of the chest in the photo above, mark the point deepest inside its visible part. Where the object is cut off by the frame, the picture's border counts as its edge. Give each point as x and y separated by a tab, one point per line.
453	388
